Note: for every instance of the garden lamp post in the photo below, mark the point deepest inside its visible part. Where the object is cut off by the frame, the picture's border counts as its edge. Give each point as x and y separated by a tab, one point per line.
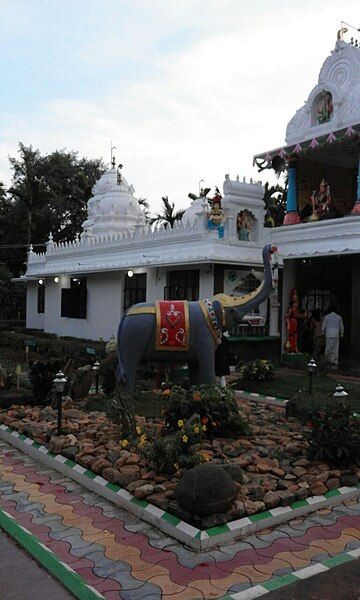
311	367
340	392
96	369
59	384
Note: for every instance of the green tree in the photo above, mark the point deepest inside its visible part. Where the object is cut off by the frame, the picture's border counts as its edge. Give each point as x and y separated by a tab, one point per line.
275	204
48	193
169	215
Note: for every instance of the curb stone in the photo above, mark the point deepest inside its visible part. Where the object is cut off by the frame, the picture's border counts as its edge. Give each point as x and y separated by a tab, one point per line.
197	539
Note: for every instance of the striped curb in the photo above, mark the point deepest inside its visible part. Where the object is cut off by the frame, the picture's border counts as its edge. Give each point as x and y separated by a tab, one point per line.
281	581
275	401
170	524
47	559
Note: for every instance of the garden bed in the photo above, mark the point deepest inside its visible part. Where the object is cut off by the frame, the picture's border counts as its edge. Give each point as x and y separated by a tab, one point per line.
270	466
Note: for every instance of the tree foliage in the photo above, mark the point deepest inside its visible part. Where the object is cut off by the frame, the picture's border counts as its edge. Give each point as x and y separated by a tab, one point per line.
169	215
48	193
275	204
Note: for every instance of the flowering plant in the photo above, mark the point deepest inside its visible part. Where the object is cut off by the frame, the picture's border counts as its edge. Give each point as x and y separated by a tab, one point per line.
257	370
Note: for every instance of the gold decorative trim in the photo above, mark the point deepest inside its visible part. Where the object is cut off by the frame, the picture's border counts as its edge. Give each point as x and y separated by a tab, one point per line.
140	310
213	330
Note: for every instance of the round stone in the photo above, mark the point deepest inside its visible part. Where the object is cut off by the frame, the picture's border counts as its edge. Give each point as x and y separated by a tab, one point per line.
205	490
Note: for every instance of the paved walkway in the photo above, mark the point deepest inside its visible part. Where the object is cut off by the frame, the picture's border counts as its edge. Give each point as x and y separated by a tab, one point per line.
124	558
34	582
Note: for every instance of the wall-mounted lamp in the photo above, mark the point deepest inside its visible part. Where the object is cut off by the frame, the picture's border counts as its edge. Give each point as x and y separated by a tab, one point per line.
41	282
56	280
130	273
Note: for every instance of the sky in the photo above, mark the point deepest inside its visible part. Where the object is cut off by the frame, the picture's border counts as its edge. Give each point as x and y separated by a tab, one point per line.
185	89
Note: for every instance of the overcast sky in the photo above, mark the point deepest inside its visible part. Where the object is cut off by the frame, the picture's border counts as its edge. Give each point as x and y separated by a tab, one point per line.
185	89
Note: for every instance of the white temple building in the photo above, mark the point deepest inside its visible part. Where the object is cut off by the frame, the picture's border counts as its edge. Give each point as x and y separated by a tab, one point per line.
319	243
81	288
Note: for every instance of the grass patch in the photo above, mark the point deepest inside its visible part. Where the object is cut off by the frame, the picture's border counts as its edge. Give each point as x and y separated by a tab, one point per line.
286	385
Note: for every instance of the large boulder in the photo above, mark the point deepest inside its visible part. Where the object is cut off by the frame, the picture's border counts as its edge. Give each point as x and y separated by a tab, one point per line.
205	490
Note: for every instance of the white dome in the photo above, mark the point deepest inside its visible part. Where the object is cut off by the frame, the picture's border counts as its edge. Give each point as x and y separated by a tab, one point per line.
113	207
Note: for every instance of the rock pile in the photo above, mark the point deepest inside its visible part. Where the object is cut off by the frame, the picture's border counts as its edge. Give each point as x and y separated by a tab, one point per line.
269	468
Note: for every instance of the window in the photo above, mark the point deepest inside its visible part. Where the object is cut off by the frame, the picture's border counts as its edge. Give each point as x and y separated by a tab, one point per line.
134	289
41	298
182	285
316	299
73	299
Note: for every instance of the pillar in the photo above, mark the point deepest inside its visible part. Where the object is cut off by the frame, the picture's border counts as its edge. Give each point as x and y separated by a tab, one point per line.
356	209
292	215
274	316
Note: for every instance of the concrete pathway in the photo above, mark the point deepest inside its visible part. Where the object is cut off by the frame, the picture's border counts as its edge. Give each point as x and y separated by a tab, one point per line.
124	558
21	576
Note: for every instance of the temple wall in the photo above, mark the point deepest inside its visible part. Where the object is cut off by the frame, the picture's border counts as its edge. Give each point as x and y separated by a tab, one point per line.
104	307
34	320
355	309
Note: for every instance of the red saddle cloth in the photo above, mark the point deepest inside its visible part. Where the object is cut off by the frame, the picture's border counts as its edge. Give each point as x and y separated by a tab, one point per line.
172	325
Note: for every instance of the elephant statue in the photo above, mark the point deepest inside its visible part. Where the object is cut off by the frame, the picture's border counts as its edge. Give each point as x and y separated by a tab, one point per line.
207	319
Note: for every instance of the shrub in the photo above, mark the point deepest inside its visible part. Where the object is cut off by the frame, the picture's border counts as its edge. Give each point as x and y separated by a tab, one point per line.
42	375
335	436
216	408
302	405
169	453
257	370
121	411
108	368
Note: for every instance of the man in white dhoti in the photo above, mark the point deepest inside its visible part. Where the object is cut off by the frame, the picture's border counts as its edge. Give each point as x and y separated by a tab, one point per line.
333	328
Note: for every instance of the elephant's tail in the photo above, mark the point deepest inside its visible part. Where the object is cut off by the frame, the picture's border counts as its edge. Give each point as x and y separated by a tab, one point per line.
120	373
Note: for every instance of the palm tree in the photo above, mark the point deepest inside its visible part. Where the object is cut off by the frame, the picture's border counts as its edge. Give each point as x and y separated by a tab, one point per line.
168	216
275	201
145	206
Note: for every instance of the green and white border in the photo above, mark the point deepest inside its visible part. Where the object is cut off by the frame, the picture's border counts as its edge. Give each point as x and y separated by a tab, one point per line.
184	532
47	559
279	582
261	398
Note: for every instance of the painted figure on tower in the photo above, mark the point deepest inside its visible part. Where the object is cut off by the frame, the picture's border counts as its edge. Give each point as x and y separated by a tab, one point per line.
324	108
321	201
216	216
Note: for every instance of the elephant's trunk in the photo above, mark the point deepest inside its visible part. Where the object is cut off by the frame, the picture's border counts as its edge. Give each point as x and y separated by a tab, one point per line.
234	314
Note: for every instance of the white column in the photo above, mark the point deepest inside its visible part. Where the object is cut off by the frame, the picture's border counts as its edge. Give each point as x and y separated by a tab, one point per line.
274	316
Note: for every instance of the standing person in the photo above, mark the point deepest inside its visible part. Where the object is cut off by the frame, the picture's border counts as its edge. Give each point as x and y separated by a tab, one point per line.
222	366
333	328
317	334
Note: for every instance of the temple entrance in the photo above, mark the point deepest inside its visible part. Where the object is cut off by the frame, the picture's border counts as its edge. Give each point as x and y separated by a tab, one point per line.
322	282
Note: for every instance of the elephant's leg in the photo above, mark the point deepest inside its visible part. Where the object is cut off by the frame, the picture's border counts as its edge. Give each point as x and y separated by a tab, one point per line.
130	362
206	369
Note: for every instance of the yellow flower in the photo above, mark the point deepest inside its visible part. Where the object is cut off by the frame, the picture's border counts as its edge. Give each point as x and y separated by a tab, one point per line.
138	430
196	429
180	423
204	427
124	443
143	437
185	438
176	466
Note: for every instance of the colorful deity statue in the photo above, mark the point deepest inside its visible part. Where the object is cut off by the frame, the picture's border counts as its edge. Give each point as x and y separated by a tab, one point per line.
291	319
320	201
216	216
244	225
324	108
